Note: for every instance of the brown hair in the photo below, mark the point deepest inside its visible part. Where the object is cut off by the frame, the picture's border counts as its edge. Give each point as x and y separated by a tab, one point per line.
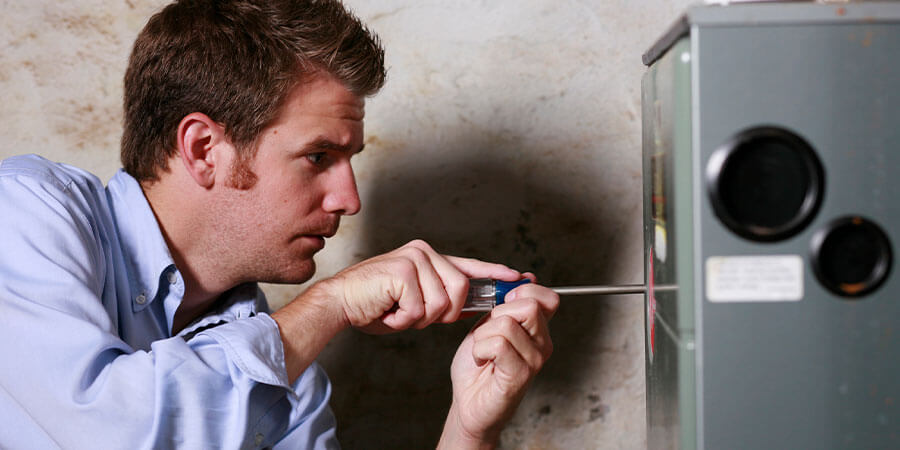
235	61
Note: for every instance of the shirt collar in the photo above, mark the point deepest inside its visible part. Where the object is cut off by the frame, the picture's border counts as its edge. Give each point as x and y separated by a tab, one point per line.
143	246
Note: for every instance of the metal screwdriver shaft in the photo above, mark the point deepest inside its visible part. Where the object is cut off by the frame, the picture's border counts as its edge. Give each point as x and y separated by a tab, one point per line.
485	294
609	290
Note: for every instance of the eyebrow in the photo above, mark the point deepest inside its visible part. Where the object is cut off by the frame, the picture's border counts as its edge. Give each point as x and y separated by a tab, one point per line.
323	143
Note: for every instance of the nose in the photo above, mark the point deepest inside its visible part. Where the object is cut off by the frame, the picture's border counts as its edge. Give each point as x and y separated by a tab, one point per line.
341	196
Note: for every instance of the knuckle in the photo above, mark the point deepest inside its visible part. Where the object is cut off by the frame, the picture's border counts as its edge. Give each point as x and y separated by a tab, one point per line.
414	254
457	286
418	244
406	250
404	268
532	307
507	325
441	301
438	304
553	298
535	361
499	345
417	312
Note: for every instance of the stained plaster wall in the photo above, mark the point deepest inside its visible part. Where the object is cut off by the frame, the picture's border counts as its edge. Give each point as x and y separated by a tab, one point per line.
508	131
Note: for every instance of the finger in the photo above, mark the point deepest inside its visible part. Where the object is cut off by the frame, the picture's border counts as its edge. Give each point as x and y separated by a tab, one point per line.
546	298
454	283
431	282
527	315
410	304
456	286
474	268
531	350
508	363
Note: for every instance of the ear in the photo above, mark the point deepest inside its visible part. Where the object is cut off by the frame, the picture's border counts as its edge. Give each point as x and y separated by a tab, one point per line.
199	142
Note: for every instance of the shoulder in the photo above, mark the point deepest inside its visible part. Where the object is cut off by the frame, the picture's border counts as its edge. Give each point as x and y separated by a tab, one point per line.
32	182
36	169
56	228
52	203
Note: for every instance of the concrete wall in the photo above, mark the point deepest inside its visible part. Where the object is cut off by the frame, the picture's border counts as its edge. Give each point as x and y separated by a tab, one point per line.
508	131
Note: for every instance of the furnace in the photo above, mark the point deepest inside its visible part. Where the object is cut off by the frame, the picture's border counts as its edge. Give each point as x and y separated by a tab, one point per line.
771	146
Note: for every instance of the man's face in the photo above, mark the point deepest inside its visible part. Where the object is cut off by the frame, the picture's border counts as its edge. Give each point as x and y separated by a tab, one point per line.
304	183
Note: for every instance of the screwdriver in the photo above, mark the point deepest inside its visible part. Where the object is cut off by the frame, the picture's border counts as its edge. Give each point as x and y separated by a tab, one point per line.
486	293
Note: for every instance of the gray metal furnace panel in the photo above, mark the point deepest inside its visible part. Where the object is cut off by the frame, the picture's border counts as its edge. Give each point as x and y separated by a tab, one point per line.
808	369
821	372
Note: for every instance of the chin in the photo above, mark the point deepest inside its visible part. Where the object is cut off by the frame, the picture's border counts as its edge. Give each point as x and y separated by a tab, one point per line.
283	267
296	275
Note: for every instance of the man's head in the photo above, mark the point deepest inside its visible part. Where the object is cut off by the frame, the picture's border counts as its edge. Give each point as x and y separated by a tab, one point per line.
236	62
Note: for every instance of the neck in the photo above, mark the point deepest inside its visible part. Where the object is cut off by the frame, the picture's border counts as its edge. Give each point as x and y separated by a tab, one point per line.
180	221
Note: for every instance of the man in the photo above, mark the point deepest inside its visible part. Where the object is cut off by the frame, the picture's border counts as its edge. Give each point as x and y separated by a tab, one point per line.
132	318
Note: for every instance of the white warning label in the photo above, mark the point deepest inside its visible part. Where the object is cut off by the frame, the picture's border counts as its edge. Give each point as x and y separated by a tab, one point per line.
770	278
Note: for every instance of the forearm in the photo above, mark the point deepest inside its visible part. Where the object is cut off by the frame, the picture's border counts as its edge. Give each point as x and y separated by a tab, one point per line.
306	324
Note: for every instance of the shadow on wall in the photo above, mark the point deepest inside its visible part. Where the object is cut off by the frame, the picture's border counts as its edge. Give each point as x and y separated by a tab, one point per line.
394	391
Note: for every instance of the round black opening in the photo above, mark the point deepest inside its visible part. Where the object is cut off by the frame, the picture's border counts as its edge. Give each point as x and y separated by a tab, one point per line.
765	184
851	256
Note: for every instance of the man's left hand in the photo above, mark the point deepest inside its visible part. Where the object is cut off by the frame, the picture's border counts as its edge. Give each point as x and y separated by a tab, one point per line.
495	363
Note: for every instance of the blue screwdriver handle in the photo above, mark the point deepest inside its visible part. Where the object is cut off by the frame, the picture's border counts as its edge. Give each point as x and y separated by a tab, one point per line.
503	287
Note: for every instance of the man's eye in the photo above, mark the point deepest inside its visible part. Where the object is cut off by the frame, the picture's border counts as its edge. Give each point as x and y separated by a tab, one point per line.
315	158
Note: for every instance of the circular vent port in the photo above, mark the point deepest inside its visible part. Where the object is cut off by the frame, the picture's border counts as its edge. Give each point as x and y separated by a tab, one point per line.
765	184
851	256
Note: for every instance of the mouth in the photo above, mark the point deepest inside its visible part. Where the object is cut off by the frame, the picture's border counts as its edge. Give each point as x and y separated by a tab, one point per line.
319	238
315	242
326	234
316	235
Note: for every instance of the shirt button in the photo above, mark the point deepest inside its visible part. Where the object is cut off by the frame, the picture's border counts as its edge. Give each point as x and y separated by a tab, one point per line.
141	299
259	439
172	277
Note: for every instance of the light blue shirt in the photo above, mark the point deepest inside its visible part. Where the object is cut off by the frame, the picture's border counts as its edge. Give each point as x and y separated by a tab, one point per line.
88	292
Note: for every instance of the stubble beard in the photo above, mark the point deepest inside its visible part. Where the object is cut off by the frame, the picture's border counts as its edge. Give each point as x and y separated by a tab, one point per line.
296	269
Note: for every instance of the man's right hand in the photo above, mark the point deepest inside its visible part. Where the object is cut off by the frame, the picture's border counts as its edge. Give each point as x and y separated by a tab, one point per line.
410	287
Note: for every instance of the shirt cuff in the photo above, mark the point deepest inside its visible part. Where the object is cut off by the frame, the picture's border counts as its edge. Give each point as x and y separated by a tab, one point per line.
254	346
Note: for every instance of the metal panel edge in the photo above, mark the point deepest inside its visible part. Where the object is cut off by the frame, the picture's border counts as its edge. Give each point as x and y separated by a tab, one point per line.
698	274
